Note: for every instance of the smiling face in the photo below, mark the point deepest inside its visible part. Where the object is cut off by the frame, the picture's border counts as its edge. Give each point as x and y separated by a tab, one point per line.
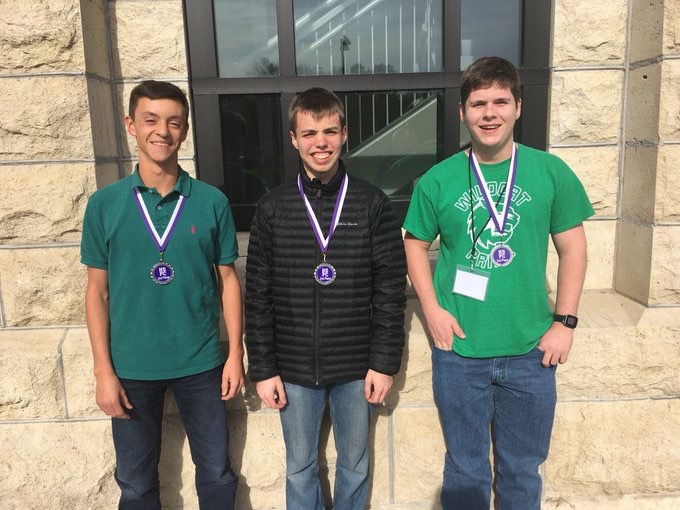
160	126
490	114
319	139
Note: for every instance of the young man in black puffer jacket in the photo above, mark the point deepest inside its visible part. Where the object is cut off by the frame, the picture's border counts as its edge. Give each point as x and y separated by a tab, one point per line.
324	305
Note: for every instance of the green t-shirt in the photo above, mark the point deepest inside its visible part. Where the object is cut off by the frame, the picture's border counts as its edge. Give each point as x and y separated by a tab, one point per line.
547	199
161	331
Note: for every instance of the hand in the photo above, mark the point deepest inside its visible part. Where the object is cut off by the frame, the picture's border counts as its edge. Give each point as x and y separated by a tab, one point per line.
443	327
233	378
111	397
556	344
377	386
272	393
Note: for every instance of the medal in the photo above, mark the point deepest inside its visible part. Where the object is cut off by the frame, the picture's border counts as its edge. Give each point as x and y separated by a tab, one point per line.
324	273
501	255
161	272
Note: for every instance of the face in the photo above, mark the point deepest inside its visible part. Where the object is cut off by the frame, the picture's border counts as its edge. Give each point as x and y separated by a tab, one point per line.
160	127
490	114
319	142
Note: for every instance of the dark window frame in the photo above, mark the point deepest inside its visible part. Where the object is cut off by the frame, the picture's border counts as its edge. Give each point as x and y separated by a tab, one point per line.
205	86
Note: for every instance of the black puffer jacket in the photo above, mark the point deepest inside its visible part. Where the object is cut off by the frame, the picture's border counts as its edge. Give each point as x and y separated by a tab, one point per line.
311	334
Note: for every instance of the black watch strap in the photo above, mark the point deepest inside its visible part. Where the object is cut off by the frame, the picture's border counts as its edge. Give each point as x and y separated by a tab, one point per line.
569	321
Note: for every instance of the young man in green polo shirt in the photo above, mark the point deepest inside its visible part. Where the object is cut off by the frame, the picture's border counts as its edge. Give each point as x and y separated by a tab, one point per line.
160	250
496	339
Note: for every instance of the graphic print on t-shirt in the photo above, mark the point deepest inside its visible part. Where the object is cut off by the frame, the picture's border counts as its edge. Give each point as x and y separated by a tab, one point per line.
488	237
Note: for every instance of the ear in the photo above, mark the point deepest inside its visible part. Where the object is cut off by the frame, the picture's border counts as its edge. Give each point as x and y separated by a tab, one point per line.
344	134
130	124
461	111
519	108
293	140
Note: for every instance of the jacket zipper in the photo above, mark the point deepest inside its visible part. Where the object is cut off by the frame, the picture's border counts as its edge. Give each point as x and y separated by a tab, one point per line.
317	304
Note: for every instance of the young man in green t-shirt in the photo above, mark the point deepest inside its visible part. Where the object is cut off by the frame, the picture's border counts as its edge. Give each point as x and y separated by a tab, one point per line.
160	249
496	339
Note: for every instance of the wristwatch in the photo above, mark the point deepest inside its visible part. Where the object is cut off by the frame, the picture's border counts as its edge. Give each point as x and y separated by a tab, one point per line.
569	321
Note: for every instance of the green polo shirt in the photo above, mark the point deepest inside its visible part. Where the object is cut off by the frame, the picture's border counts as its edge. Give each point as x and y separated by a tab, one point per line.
161	331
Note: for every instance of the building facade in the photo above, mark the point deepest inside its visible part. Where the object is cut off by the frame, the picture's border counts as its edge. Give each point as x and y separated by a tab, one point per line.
602	91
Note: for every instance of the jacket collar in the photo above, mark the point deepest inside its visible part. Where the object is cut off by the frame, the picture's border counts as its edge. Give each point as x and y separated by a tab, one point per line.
311	186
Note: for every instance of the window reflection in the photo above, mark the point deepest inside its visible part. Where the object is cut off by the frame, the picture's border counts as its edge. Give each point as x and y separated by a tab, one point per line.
367	36
392	138
251	148
246	38
490	28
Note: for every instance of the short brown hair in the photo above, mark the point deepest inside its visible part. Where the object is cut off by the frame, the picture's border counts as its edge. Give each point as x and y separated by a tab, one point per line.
487	71
153	89
317	101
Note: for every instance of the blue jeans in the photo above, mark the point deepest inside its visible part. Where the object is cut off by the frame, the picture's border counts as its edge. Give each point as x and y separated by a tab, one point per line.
138	440
508	400
301	422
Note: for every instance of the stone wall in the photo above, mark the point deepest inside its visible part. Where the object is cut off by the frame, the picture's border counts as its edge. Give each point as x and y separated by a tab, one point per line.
66	71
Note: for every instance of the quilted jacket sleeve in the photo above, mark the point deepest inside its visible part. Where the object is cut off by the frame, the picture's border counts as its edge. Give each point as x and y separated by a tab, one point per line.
389	285
258	305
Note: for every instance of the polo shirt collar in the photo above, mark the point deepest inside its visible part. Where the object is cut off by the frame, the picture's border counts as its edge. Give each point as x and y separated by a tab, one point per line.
182	187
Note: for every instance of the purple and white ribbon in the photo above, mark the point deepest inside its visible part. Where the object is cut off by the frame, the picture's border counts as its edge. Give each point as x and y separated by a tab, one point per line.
499	218
161	242
339	203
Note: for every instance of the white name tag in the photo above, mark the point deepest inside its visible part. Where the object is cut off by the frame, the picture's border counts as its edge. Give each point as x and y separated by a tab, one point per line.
470	282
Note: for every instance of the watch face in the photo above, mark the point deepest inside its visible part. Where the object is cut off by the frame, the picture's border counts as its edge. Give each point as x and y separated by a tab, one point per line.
571	321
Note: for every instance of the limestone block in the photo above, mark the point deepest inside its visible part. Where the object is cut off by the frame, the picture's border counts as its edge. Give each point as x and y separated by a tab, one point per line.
669	101
605	502
600	236
666	204
646	31
633	259
258	455
136	49
129	144
642	104
598	170
44	287
188	165
664	285
671	28
614	449
40	36
418	454
95	33
599	41
45	118
102	118
616	355
57	465
44	203
639	183
381	472
413	383
586	106
79	379
31	384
